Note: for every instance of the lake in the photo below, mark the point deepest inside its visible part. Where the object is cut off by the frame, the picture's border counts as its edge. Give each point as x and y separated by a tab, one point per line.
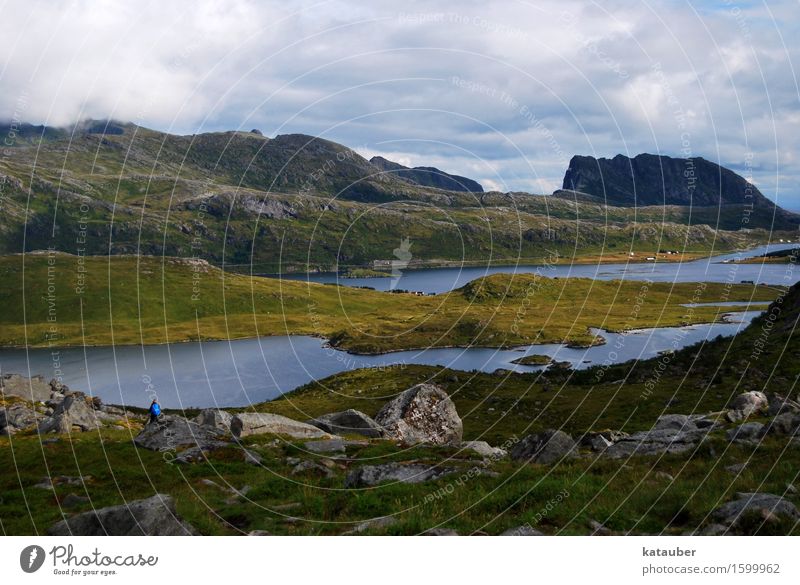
715	269
242	372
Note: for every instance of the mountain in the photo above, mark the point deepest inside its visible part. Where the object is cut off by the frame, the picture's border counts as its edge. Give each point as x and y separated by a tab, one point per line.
295	202
427	176
649	179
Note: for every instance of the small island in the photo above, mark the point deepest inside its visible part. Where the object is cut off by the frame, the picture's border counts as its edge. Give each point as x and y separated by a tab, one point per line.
533	360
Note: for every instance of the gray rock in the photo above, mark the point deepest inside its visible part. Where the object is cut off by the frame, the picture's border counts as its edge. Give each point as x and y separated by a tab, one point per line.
72	414
736	468
787	424
599	529
326	446
656	442
18	417
599	441
546	447
348	422
373	524
675	421
750	402
312	467
172	432
767	505
780	404
422	414
484	449
215	418
154	516
524	530
252	458
33	389
199	453
370	475
747	433
259	423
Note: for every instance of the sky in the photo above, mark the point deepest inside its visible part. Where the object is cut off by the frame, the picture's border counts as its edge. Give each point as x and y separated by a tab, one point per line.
504	92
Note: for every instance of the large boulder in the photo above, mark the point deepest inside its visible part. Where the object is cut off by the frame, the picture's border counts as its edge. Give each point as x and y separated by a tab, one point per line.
154	516
422	414
171	432
260	423
764	507
546	447
750	402
348	422
747	434
369	475
484	449
18	417
33	389
215	418
72	414
656	442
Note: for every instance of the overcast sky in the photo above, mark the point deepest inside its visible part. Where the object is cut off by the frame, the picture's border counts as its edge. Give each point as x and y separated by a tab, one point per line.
504	92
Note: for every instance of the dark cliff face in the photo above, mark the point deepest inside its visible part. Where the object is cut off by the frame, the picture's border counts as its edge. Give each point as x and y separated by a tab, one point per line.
427	176
650	179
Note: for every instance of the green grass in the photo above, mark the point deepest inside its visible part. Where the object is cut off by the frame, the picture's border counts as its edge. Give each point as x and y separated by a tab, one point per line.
127	300
625	498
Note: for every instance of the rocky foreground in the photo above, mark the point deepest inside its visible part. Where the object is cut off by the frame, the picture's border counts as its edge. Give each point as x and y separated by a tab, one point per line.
421	416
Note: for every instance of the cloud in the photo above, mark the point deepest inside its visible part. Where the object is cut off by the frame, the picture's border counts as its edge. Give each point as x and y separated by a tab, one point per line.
502	91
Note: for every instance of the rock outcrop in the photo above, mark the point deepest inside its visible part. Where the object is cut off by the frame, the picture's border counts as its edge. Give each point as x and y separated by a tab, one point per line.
154	516
73	413
18	417
422	414
370	475
261	423
175	432
762	508
215	418
33	389
348	422
546	447
649	179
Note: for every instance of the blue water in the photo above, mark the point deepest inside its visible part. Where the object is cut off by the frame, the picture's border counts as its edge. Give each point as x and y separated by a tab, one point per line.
715	269
241	372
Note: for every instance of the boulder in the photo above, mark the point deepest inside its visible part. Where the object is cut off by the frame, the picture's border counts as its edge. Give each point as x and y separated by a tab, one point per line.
374	524
748	433
484	449
326	446
656	442
768	506
422	414
33	389
599	441
750	402
348	422
675	421
369	475
787	423
18	417
215	418
172	432
546	447
72	414
260	423
440	532
154	516
779	404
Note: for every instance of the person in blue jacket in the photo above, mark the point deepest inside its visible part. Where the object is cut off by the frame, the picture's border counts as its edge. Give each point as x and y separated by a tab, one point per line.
155	411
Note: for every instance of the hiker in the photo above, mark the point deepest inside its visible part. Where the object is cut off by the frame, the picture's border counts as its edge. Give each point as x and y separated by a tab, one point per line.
155	411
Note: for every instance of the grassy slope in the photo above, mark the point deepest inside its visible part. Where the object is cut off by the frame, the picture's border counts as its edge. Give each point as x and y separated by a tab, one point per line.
126	300
152	187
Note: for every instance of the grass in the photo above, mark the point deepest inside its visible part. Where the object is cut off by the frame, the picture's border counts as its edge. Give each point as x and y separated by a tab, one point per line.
533	360
63	300
559	499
